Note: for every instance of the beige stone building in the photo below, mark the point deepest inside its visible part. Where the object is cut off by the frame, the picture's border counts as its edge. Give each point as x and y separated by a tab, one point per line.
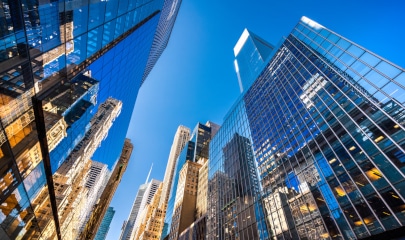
186	198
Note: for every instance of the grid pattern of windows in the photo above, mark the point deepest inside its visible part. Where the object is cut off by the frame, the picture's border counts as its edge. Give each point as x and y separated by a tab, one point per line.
195	149
233	186
326	123
45	46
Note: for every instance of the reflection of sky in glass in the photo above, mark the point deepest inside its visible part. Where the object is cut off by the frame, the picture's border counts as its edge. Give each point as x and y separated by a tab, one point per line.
120	73
186	154
323	167
35	181
77	116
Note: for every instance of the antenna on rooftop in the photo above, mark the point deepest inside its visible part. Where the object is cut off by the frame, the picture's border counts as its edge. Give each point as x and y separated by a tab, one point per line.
147	178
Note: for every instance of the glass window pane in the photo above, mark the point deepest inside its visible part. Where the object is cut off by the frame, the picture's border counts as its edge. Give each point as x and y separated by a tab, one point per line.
369	59
360	68
388	69
395	91
343	44
355	51
376	78
370	89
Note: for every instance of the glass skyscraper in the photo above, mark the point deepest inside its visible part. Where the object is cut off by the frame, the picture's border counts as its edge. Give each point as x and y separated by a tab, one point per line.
324	122
251	55
59	60
105	224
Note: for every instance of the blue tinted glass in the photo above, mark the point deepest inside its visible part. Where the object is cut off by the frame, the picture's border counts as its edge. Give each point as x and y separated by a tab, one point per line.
96	13
369	59
388	69
111	9
376	78
80	50
94	40
123	7
80	19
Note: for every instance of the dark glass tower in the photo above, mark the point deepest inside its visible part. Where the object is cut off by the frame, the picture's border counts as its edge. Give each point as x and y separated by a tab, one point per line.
326	122
58	61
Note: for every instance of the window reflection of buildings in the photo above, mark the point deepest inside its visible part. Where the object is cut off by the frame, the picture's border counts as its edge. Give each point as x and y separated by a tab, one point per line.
232	194
347	145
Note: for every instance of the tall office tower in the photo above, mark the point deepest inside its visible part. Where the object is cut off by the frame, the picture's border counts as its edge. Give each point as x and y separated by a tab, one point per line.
45	46
251	56
147	198
180	139
163	32
143	198
105	224
128	225
325	120
202	190
238	200
186	198
96	180
150	219
100	208
196	149
197	229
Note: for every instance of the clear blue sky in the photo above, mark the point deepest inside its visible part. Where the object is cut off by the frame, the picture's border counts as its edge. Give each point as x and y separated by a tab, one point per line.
194	80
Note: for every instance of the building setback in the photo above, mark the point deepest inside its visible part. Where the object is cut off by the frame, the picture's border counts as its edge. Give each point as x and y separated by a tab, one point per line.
59	61
324	122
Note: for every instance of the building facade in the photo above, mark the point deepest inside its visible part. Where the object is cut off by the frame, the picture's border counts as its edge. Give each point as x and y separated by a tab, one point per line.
195	150
46	102
150	219
186	199
324	121
180	140
251	55
105	224
143	198
129	224
96	181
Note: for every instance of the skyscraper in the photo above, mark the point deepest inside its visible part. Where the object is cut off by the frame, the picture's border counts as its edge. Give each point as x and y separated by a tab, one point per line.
325	123
251	55
143	198
186	198
195	150
128	225
105	224
46	100
180	140
150	219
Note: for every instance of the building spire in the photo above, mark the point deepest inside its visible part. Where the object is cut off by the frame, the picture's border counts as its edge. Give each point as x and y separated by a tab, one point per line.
150	170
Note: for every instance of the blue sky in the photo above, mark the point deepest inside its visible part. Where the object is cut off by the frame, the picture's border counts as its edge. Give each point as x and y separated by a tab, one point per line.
194	80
